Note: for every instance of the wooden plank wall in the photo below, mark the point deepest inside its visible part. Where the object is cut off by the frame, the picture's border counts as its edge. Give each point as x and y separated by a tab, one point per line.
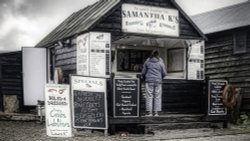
11	76
180	96
222	63
112	23
65	58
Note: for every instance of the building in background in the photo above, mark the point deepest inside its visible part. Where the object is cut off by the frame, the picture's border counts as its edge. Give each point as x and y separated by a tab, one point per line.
227	50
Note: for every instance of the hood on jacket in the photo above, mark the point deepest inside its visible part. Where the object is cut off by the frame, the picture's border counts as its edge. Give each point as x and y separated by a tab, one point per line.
154	59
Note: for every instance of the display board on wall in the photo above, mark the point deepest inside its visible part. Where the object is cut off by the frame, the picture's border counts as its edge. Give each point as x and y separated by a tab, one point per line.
126	97
150	20
57	110
94	54
89	102
82	54
215	103
196	63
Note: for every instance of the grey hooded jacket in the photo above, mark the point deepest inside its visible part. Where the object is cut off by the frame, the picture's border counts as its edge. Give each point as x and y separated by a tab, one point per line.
154	70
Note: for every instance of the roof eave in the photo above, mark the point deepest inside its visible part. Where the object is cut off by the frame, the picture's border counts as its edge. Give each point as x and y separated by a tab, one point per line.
189	20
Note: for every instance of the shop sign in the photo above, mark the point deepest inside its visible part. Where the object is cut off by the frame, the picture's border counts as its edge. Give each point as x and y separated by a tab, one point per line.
57	110
150	20
94	54
89	102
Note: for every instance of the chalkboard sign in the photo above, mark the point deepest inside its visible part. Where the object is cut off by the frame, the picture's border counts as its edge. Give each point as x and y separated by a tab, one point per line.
89	102
215	104
126	97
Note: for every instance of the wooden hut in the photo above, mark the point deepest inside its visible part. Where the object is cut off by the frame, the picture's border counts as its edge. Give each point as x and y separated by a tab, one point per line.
11	90
182	88
134	28
227	50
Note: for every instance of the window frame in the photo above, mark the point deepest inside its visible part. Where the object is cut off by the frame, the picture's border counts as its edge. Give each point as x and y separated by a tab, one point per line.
240	39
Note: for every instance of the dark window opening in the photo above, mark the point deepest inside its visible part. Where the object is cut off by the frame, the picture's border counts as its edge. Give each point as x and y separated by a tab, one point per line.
52	63
240	42
131	60
175	60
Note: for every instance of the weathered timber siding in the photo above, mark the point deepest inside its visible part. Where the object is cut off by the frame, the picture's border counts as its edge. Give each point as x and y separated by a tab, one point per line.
222	63
180	96
11	76
112	23
65	58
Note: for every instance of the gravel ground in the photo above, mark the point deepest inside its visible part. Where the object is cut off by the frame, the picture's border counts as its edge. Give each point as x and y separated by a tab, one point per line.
33	131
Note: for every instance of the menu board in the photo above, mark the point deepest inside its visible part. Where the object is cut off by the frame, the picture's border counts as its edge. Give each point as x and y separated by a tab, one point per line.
215	103
94	54
82	55
126	97
89	103
100	54
57	109
196	60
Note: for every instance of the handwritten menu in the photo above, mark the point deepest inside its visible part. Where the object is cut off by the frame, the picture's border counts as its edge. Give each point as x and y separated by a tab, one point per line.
57	106
126	97
215	104
89	109
89	103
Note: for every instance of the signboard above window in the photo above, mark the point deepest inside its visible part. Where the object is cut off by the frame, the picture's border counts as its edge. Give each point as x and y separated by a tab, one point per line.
150	20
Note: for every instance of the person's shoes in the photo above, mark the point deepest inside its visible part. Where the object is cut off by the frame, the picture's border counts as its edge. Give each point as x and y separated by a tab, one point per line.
156	114
149	115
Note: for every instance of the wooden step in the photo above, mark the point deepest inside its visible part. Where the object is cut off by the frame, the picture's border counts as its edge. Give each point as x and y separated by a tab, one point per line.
163	118
149	128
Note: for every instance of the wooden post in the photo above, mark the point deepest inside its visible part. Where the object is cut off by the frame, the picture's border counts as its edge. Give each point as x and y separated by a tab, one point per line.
139	78
225	124
106	132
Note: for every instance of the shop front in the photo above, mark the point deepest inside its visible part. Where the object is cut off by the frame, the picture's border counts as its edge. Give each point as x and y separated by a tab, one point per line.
112	40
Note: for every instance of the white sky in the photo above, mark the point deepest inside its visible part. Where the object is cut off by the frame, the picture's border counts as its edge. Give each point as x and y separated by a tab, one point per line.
192	7
26	22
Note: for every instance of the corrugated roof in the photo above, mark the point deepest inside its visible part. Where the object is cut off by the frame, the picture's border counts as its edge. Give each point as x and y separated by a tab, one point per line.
224	19
79	21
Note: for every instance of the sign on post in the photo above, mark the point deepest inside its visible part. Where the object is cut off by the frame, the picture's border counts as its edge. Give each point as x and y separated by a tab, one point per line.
215	103
89	102
126	97
57	109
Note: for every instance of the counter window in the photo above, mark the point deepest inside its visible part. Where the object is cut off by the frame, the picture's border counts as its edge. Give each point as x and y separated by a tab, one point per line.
175	59
131	60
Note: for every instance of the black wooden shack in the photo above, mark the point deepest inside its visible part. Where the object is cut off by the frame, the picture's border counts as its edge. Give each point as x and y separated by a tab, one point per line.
11	80
183	88
227	50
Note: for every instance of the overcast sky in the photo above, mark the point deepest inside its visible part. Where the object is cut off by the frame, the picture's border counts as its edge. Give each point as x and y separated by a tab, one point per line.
26	22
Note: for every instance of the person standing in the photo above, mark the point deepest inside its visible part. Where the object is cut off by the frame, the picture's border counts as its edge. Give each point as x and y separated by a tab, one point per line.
153	72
